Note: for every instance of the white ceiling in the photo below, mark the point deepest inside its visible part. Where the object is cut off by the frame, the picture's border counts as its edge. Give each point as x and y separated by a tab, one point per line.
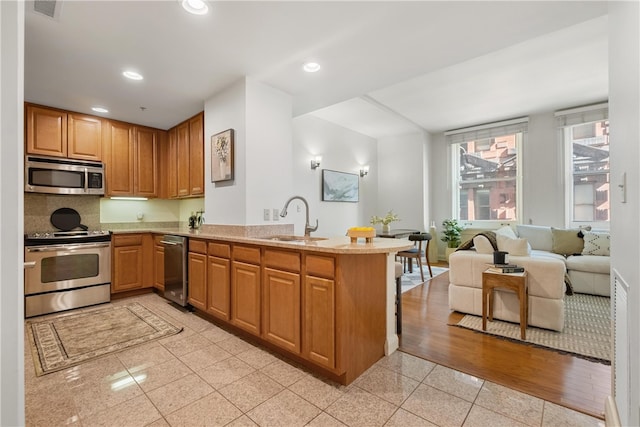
387	67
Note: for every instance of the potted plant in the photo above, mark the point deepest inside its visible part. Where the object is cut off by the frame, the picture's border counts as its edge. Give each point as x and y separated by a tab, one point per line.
385	220
451	235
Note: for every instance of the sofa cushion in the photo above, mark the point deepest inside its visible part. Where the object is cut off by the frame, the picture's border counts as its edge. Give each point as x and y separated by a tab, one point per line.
507	232
514	246
538	236
482	245
567	242
589	264
596	243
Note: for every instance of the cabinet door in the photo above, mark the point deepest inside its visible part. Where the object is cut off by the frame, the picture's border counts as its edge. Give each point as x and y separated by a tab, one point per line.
158	267
146	162
219	287
196	155
127	268
172	164
46	131
197	280
84	137
319	320
245	297
182	159
120	161
281	310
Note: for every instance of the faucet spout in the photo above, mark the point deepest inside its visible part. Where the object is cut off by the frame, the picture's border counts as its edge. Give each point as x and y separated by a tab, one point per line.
307	227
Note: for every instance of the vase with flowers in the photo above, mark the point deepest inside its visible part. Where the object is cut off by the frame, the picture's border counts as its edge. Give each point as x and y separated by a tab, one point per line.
385	220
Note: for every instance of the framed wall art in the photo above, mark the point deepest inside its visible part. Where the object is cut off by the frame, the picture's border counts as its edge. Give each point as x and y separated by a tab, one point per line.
339	186
222	156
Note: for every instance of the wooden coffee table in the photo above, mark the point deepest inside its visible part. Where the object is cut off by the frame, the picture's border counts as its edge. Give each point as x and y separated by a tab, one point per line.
516	282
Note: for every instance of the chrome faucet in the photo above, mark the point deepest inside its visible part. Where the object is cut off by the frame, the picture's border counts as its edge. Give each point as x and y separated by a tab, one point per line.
307	228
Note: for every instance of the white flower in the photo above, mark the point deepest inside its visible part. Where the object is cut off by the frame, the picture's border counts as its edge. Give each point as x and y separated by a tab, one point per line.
222	148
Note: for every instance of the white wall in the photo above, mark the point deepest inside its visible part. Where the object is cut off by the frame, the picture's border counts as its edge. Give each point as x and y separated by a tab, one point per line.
11	214
342	150
624	115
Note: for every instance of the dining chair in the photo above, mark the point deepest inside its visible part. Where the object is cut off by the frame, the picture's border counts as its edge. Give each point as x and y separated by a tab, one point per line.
398	273
417	252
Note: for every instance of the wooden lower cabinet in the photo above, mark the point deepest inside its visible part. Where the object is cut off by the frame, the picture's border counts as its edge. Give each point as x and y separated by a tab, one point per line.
158	264
219	287
319	319
197	294
281	309
245	296
132	262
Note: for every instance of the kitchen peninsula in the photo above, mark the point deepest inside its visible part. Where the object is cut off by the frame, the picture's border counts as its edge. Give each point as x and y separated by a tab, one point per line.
326	303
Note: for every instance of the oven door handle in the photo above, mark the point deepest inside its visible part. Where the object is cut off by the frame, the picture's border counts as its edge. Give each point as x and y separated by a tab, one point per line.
67	247
29	264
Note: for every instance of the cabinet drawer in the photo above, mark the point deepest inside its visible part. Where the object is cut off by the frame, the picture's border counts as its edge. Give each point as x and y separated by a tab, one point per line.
199	246
321	266
282	260
157	239
247	254
127	240
221	250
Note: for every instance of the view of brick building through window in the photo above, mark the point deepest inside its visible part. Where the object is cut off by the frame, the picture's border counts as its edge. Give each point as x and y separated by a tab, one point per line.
488	178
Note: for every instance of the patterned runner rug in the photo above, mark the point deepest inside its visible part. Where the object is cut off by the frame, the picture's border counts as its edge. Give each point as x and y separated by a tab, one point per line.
68	339
587	329
411	280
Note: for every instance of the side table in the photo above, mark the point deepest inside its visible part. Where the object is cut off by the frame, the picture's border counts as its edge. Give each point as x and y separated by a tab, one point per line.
516	282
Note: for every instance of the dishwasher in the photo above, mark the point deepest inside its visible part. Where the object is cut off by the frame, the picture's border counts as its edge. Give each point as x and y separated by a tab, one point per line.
175	269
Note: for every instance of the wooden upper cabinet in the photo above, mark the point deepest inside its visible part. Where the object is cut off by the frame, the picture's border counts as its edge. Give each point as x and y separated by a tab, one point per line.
182	159
59	133
146	162
46	131
172	165
84	137
196	154
119	158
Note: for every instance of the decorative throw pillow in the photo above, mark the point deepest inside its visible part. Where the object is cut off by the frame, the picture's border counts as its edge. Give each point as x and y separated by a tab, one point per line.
567	242
515	247
482	245
507	232
538	236
596	243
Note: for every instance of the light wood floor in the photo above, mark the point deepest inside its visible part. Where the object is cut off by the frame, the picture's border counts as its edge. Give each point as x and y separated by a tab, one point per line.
563	379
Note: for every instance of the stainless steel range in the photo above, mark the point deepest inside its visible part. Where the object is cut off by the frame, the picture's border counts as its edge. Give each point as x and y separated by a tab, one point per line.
66	270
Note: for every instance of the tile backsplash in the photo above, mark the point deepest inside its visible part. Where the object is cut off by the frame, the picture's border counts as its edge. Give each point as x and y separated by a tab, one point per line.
39	207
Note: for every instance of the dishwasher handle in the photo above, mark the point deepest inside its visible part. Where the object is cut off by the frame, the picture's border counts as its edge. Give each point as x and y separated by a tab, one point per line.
170	243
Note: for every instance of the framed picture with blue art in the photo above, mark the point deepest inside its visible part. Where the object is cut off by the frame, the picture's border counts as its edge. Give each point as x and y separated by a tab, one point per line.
339	186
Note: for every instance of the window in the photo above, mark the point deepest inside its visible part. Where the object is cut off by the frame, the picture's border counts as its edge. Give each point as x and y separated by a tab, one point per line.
486	171
585	132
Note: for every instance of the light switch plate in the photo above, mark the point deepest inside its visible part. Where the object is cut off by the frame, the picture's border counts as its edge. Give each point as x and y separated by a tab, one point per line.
267	214
276	214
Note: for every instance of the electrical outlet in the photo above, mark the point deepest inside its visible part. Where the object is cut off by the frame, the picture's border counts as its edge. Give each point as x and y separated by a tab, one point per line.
267	213
276	214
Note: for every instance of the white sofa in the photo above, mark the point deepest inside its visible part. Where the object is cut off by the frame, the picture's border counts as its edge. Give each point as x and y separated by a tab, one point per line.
533	248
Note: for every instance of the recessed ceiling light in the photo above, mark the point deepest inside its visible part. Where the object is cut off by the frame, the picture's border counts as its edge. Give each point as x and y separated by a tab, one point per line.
311	67
197	7
132	75
100	109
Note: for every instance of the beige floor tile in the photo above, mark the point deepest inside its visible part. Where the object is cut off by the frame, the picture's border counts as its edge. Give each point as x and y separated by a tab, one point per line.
242	421
437	406
50	405
234	345
283	372
211	410
108	368
96	396
178	394
186	332
407	365
404	418
207	356
159	423
320	392
514	404
198	324
555	415
389	385
454	382
132	413
251	390
361	408
187	344
161	374
215	334
257	357
144	356
481	417
225	372
284	409
325	420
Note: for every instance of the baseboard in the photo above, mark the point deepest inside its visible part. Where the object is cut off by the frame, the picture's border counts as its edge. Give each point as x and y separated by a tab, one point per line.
611	416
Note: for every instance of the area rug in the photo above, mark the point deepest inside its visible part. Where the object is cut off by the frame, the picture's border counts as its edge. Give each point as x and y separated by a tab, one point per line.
67	340
586	334
411	280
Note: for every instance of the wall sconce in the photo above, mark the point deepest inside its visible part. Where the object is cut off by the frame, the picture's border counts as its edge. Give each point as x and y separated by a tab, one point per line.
364	171
315	163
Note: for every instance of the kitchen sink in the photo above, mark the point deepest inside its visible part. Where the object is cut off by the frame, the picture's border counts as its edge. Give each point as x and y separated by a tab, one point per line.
294	239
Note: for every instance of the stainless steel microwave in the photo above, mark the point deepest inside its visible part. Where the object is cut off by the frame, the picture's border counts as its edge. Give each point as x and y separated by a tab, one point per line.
53	175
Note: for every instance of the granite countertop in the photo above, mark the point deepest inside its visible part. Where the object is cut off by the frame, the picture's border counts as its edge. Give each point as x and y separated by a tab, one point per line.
336	244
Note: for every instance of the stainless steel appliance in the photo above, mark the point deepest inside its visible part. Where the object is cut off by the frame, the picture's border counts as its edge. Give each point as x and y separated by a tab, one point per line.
175	269
67	269
63	176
